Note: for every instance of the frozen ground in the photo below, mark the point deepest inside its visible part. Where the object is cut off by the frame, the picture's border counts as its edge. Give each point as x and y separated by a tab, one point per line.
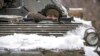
71	40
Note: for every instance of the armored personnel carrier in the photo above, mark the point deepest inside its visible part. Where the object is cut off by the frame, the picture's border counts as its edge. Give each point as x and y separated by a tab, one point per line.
43	17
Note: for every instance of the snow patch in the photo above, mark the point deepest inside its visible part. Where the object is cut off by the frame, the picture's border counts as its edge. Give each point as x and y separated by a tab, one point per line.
10	16
76	9
89	51
78	20
32	41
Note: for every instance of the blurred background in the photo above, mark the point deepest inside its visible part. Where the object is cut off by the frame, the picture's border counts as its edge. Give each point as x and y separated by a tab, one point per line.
91	9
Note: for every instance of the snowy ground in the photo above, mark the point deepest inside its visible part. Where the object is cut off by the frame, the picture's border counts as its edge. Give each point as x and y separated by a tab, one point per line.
89	51
71	40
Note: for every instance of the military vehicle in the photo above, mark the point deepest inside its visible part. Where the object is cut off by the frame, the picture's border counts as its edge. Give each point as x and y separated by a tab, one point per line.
43	17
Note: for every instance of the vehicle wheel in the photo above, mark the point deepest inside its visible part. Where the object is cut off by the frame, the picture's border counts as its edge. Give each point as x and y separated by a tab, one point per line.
91	39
